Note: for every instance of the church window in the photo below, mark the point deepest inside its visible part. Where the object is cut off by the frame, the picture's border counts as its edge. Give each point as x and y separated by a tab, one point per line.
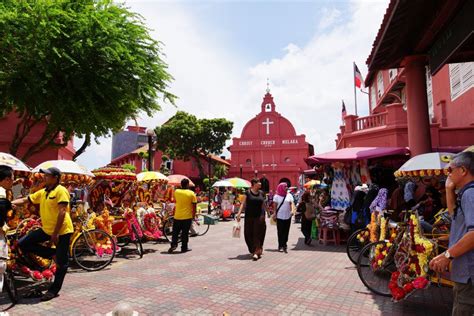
287	159
248	161
268	107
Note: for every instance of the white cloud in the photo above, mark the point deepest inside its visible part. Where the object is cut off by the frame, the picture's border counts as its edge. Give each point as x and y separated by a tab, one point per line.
307	82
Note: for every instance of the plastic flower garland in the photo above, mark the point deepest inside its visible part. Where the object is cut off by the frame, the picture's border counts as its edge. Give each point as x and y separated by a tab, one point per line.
412	259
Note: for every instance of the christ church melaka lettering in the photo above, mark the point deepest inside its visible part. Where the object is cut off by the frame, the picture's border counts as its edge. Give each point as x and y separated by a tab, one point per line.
289	141
267	142
246	143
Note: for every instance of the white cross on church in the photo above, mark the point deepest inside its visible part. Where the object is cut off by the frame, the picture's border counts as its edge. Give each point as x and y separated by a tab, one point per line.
268	123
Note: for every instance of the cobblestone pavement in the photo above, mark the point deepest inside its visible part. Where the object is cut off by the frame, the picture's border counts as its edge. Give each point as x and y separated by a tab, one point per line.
218	276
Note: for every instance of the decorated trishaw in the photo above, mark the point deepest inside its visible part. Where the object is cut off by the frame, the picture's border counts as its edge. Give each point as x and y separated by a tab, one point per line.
395	260
113	198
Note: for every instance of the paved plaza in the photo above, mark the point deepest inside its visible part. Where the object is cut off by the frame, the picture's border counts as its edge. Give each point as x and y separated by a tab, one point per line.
218	277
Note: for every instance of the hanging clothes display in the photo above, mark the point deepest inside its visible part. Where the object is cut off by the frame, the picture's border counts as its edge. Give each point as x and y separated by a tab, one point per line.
340	197
364	172
355	174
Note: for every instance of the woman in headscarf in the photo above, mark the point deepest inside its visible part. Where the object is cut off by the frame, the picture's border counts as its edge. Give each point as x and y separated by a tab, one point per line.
283	204
380	202
254	226
307	217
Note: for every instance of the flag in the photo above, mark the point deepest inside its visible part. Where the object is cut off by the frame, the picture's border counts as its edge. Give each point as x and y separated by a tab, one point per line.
344	113
358	80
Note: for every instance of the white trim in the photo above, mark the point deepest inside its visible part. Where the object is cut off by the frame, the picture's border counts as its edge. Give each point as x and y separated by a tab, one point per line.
461	78
380	87
392	73
429	92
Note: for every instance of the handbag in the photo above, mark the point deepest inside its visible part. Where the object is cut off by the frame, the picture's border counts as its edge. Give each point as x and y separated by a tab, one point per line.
236	230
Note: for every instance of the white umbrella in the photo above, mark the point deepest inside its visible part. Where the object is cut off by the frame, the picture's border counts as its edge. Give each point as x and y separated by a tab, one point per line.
13	162
425	165
65	166
222	183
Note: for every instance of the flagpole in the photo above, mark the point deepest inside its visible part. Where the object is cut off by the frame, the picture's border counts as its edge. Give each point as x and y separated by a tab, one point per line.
355	95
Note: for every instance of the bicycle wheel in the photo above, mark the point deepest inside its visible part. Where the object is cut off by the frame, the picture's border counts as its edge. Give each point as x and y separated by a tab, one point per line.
354	246
9	286
199	226
375	280
137	241
93	250
168	230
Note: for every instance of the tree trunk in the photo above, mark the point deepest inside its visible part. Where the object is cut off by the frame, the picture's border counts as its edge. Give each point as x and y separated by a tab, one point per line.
82	149
202	172
47	140
22	130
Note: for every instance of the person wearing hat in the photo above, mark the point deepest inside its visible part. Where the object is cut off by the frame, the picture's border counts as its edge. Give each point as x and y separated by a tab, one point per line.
57	227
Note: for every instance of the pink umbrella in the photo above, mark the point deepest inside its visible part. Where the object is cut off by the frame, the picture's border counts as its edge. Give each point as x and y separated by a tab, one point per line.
175	179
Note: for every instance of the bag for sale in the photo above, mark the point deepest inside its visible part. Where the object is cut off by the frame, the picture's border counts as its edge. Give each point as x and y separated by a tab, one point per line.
236	230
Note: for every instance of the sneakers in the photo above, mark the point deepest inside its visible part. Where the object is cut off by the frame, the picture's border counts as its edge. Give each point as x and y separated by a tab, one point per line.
172	248
280	249
285	250
255	257
186	250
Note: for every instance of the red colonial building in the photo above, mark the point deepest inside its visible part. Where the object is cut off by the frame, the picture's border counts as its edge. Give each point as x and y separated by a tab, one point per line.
420	80
8	125
270	146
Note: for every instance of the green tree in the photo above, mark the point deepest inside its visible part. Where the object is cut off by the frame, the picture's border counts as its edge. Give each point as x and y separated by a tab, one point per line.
130	167
186	137
83	67
220	171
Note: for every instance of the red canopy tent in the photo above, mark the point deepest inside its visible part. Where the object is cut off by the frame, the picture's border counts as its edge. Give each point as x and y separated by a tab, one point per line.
356	153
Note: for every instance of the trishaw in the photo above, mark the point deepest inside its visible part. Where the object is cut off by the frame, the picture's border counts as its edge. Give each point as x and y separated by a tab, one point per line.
395	259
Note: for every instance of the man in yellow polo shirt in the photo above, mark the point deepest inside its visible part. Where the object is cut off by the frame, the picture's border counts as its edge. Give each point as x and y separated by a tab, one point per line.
185	211
57	227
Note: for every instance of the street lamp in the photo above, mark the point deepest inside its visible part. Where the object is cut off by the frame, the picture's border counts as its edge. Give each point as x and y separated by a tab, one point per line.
150	132
241	171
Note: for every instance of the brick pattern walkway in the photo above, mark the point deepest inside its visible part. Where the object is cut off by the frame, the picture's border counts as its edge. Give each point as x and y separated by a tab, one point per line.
218	276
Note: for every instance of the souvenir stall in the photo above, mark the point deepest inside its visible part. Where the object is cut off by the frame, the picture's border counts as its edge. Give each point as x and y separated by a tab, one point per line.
352	175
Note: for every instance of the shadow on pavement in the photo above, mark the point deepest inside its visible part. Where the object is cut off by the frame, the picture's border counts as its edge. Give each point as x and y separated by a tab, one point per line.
316	246
242	257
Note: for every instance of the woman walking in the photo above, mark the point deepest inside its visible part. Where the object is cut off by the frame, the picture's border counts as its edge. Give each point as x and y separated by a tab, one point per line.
254	226
284	207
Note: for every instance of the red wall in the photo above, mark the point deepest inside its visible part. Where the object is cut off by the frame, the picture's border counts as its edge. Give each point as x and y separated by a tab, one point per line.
7	130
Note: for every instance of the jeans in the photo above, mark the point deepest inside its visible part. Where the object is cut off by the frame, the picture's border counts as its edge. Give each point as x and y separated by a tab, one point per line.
283	228
181	226
31	243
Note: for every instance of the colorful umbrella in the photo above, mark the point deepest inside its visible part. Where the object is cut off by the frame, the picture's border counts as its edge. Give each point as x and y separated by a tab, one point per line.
151	176
175	179
431	164
66	166
312	183
13	162
239	183
222	183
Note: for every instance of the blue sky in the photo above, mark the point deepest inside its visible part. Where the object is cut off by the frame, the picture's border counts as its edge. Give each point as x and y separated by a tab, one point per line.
221	52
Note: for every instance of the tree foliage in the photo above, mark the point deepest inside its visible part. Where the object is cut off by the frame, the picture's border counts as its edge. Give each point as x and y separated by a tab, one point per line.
186	137
83	67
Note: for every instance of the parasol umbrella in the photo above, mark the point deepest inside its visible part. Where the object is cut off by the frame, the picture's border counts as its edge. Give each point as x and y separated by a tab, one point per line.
66	166
151	176
312	183
13	162
426	165
175	179
239	183
222	183
470	148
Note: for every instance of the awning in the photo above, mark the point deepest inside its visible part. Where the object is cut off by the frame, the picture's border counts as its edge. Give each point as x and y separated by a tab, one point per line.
356	153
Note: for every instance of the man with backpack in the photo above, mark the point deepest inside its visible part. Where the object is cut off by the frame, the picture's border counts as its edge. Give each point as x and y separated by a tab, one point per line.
461	239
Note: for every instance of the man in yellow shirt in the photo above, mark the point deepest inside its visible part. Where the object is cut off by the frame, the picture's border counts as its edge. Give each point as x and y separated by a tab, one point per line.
57	227
185	211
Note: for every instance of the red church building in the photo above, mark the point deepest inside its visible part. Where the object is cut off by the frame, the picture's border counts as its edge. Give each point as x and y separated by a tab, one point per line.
270	146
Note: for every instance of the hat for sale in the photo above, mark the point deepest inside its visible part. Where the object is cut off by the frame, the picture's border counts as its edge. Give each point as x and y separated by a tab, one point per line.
53	171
